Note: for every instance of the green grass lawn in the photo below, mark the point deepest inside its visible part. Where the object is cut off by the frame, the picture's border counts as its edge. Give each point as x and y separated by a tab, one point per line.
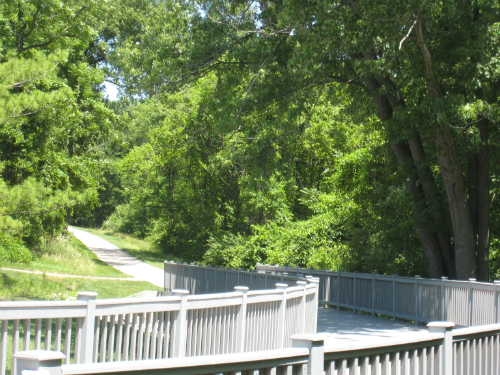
133	246
67	255
15	286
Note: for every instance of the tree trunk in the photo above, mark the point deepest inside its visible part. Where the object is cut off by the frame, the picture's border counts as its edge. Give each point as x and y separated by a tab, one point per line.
433	201
483	204
428	239
451	172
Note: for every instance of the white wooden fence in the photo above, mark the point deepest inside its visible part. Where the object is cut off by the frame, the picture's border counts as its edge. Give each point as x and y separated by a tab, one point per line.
443	351
182	325
466	303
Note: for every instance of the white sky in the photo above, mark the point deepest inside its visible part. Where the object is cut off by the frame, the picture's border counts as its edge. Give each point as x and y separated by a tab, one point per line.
110	91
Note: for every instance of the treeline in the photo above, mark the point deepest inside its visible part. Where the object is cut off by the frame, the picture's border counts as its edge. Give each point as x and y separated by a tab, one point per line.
350	136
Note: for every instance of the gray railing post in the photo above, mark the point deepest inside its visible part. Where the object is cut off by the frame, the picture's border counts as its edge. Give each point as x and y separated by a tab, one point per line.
43	361
373	293
316	346
242	320
394	296
470	311
280	339
323	286
302	317
180	325
495	296
354	291
87	332
227	280
417	299
447	351
165	272
315	280
338	290
443	298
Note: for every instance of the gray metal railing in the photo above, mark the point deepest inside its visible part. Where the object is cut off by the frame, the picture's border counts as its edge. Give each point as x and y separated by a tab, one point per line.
466	303
203	280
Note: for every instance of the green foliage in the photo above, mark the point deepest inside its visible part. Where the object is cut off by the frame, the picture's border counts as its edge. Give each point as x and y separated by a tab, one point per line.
12	249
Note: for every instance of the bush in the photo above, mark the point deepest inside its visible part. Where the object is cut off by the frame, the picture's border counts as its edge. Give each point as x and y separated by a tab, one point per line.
12	249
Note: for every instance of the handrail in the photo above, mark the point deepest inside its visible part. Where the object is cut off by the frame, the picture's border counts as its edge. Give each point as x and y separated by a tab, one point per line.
181	325
465	302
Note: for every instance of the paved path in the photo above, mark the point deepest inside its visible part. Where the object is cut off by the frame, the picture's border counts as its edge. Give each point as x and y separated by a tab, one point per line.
343	328
119	259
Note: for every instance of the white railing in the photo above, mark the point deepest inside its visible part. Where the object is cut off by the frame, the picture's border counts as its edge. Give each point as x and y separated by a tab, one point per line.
441	351
467	303
202	280
181	325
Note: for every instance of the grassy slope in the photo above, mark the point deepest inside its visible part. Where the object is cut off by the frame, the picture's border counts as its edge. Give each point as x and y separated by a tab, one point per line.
23	286
67	256
136	247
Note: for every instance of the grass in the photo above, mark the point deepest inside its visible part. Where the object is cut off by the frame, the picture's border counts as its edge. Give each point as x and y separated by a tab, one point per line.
139	248
16	286
66	255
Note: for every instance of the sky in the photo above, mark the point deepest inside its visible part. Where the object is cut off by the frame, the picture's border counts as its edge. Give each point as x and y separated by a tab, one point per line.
110	90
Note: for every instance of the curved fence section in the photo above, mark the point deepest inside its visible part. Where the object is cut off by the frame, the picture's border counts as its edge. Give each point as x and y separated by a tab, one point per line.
466	303
202	280
181	325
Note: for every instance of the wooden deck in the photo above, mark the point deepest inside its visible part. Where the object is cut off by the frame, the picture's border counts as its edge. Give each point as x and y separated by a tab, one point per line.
348	327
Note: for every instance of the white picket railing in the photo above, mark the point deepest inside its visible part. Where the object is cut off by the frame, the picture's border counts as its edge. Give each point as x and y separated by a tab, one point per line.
181	325
442	351
466	303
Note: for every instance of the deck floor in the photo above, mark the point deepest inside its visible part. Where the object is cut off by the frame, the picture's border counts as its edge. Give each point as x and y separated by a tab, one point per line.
343	326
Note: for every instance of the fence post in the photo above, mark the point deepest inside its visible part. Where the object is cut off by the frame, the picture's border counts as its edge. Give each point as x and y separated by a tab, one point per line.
227	281
471	300
443	298
338	290
87	332
165	275
495	296
302	318
42	361
281	317
447	351
316	346
394	296
180	325
373	293
315	280
354	287
323	287
417	300
242	320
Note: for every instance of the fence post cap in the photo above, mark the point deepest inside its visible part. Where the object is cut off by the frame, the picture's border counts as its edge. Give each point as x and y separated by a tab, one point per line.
308	340
281	286
314	280
440	326
496	281
303	283
39	355
86	296
241	288
418	276
180	292
308	277
444	277
472	279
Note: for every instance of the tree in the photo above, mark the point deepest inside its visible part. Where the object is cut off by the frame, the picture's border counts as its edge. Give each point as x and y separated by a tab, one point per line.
52	115
429	70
